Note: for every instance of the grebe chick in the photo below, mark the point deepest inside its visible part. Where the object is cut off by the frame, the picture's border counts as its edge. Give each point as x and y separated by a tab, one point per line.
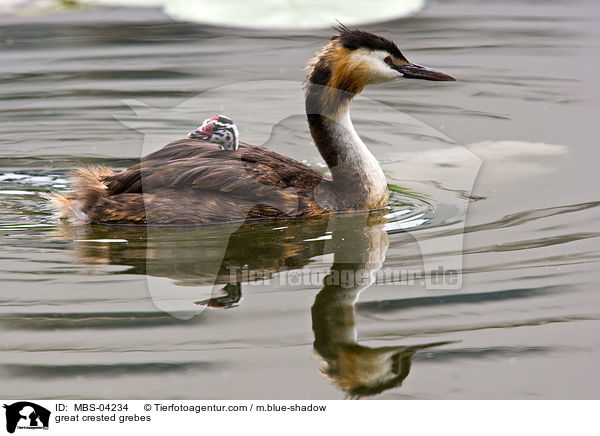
191	181
218	130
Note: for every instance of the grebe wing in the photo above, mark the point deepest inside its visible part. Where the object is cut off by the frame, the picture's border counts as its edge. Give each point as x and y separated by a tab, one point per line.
251	173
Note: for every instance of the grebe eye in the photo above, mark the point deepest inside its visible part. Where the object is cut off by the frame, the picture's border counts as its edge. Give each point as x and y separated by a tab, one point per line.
387	60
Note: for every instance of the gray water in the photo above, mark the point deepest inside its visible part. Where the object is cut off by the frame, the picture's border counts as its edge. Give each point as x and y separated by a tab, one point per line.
80	313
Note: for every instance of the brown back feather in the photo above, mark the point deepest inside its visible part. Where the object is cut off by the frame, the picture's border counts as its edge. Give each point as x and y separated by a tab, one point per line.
190	181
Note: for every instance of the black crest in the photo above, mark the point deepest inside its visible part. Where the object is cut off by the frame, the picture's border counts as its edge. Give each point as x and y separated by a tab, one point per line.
353	39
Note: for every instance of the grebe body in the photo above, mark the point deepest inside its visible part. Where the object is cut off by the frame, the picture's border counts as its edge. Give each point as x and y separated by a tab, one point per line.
190	181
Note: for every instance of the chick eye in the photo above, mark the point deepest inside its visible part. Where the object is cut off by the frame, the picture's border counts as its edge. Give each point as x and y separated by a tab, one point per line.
387	60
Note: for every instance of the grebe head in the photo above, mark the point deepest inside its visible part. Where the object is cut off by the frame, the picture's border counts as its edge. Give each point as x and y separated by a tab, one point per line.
355	58
352	60
218	130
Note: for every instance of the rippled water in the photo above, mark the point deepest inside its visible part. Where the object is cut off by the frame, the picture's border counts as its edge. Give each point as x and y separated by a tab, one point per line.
120	312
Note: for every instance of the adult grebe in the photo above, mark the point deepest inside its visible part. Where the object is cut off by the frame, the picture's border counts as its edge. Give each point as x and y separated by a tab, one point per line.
190	181
218	130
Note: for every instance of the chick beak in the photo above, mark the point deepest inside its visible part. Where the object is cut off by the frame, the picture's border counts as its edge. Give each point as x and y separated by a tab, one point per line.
199	134
414	71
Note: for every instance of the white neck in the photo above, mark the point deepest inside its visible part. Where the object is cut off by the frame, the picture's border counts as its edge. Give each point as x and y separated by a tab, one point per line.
354	170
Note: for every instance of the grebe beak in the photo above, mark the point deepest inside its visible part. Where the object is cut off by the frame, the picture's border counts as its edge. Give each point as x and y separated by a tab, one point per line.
414	71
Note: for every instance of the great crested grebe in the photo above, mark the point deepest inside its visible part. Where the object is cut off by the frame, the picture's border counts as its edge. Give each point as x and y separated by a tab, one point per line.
218	130
190	181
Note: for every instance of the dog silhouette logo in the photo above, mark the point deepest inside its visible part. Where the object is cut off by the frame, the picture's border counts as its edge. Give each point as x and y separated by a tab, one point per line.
26	415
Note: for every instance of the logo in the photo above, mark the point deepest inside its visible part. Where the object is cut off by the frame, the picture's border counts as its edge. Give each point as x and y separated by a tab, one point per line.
433	157
26	415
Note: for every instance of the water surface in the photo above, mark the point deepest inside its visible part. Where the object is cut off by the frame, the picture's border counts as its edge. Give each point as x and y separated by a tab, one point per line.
80	318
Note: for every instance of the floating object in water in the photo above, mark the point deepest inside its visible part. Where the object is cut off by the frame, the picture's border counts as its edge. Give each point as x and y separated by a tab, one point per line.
276	14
